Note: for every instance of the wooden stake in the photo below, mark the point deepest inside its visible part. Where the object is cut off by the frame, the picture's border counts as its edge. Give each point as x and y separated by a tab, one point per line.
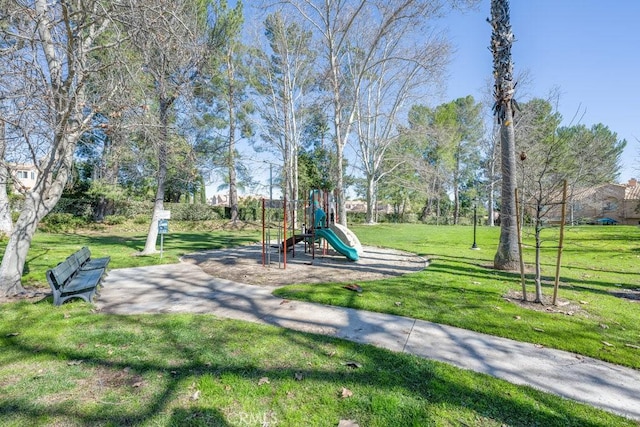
561	242
518	225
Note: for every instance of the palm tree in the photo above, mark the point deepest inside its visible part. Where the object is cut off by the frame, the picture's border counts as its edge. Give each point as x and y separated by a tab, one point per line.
506	257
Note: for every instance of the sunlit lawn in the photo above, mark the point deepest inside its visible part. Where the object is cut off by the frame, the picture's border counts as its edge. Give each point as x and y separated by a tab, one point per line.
460	288
71	366
50	248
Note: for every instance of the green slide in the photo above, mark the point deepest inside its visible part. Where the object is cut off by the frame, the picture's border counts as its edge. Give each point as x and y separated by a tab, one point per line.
337	244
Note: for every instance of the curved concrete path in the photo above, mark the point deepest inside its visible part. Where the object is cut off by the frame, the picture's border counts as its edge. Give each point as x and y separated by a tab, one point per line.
186	288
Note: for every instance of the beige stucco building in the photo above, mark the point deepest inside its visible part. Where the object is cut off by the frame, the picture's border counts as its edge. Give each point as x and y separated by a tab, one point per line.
618	202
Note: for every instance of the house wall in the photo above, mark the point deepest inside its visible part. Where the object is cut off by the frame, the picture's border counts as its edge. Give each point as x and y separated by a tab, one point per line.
24	176
615	201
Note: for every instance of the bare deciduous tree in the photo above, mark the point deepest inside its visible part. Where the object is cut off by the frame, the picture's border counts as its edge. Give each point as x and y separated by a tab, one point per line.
284	81
339	25
50	49
552	155
399	72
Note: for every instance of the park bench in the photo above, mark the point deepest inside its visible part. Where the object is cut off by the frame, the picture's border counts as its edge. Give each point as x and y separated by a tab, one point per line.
83	256
78	276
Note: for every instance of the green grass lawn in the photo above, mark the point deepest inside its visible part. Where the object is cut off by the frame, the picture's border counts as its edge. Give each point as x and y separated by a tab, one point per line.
71	366
460	288
48	249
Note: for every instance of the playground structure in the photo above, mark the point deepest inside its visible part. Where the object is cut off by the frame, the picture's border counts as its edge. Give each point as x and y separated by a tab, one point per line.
317	228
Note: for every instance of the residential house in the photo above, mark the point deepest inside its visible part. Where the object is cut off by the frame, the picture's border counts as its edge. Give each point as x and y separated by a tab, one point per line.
24	176
603	204
361	206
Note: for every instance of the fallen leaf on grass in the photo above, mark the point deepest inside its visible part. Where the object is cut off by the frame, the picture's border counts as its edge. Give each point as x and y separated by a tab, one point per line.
346	393
138	384
637	347
603	326
607	344
398	303
584	302
517	317
74	362
354	287
13	334
263	380
348	423
538	330
352	364
196	395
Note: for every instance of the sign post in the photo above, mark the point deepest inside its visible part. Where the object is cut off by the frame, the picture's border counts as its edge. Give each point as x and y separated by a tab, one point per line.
163	227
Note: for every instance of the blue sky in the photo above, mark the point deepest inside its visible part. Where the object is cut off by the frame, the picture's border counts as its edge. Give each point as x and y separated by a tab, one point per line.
585	48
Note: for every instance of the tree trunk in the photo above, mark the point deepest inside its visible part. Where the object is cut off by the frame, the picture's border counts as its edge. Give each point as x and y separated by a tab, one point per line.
100	210
38	203
492	190
233	180
506	257
342	207
158	205
15	254
538	274
6	224
371	200
456	196
340	134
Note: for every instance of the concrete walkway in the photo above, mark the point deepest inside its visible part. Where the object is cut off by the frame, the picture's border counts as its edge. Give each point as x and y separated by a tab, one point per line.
185	288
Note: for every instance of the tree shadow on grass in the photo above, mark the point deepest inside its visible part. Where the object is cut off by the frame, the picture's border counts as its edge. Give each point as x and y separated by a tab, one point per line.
152	361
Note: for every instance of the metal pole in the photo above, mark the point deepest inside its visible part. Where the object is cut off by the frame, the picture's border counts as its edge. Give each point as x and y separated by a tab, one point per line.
284	242
475	222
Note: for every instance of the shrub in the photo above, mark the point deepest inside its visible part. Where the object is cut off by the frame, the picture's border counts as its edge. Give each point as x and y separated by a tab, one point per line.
132	208
141	219
192	212
61	222
114	219
356	217
75	207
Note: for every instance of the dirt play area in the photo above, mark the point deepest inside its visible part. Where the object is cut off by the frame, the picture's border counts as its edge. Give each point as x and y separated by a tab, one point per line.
244	264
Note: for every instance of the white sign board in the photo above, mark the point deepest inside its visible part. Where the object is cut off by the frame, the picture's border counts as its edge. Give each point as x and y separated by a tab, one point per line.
164	215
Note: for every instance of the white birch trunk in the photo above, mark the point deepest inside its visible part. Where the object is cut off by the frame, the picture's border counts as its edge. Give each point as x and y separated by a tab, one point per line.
6	224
